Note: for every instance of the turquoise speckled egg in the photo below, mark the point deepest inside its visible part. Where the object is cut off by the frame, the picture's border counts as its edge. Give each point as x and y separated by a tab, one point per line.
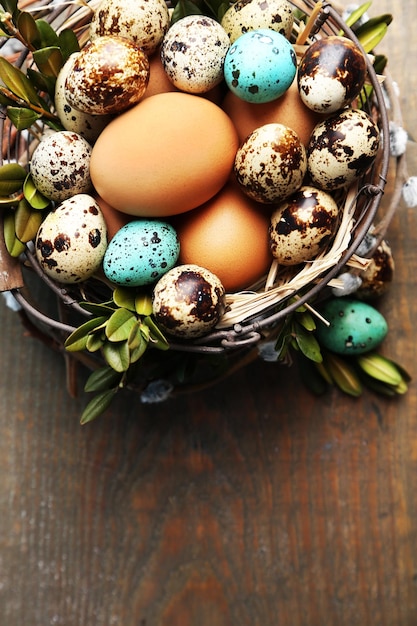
355	327
260	66
141	252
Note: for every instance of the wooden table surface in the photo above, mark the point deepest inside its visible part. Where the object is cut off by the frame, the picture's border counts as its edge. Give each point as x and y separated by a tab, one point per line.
251	504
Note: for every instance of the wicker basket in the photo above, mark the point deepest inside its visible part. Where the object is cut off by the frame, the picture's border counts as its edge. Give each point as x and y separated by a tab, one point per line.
253	316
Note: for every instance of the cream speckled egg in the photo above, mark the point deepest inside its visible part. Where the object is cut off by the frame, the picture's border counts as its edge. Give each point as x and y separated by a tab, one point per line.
245	15
271	163
193	53
341	148
331	74
60	165
89	126
109	75
72	240
144	23
302	225
188	301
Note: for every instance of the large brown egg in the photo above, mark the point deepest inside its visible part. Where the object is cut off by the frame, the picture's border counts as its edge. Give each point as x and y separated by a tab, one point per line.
229	236
288	110
167	155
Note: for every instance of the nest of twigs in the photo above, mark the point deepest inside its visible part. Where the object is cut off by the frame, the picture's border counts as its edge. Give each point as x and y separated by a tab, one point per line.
253	314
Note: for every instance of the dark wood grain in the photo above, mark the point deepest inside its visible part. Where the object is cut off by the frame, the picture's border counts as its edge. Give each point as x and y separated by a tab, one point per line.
250	504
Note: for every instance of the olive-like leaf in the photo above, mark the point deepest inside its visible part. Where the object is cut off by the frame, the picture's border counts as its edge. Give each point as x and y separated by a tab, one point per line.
21	117
4	99
35	198
143	304
77	340
95	342
372	36
184	8
49	60
14	246
28	29
356	14
12	176
68	43
97	405
120	324
306	320
10	6
117	355
42	83
308	344
27	221
137	345
102	379
47	34
125	298
157	338
17	82
101	309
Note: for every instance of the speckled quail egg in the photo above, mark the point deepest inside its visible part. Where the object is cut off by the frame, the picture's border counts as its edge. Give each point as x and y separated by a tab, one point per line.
302	225
193	52
271	163
342	147
72	240
60	165
245	15
188	301
260	66
143	23
108	76
89	126
331	74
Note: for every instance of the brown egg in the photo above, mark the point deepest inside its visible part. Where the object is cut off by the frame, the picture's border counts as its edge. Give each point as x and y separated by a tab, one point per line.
229	236
167	155
288	110
114	219
158	79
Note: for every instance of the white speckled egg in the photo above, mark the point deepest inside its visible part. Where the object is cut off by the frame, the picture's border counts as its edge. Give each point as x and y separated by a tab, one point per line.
271	163
188	301
86	125
302	225
331	74
60	165
341	148
141	252
72	240
144	23
193	52
245	15
108	76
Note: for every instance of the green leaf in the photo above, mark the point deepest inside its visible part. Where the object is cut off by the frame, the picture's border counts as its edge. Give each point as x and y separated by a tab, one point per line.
137	344
14	246
157	338
68	43
12	176
47	34
306	320
95	341
9	5
49	60
28	29
35	198
42	83
102	379
308	343
21	117
357	14
104	309
117	355
120	324
17	82
143	304
77	340
97	406
27	221
125	298
371	37
184	8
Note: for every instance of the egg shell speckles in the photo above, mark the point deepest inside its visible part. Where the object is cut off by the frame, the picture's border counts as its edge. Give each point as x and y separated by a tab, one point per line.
72	240
271	163
331	74
109	75
141	252
302	226
246	15
342	147
355	327
143	23
188	301
260	66
193	53
86	125
60	165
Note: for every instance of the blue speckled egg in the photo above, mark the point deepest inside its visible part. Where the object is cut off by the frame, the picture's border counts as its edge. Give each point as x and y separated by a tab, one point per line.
355	327
260	66
141	252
